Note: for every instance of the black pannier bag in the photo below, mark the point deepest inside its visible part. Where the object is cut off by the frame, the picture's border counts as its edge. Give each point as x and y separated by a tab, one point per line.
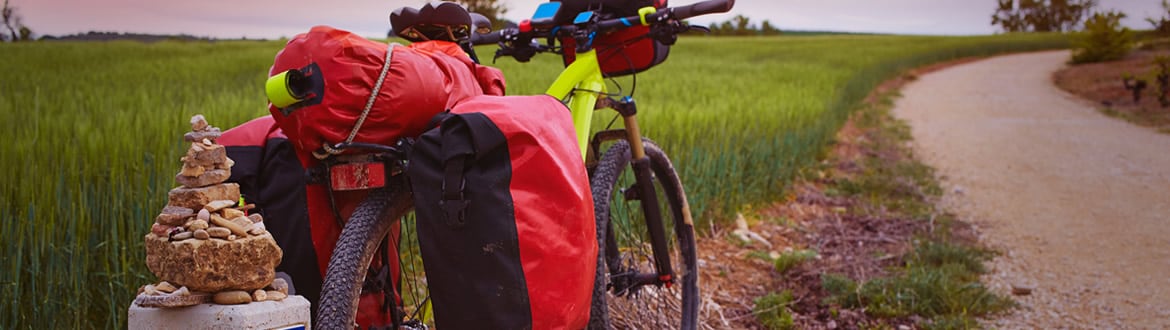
505	216
623	52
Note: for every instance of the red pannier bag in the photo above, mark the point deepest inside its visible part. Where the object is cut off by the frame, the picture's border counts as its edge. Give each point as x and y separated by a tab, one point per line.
622	52
505	216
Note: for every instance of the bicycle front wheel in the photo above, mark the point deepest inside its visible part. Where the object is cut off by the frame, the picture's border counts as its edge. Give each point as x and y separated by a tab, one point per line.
636	297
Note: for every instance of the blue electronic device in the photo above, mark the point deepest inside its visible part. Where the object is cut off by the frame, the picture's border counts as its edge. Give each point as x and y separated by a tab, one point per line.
583	17
545	16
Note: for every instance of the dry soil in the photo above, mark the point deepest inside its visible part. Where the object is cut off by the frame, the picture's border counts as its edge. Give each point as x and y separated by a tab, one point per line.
1078	203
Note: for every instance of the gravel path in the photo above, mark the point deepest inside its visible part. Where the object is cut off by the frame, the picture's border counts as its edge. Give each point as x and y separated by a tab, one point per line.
1079	202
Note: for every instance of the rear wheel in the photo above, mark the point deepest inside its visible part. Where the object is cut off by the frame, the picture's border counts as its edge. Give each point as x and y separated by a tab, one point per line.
629	285
367	227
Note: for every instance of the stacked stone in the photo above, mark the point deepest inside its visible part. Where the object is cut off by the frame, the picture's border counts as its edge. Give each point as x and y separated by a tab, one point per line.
165	294
202	240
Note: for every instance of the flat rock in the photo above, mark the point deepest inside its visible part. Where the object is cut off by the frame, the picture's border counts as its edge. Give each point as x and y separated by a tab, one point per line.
192	170
225	223
256	228
198	123
275	295
201	234
174	215
243	222
247	263
211	133
205	155
219	232
208	178
197	224
182	236
280	285
216	205
164	286
174	300
195	198
232	297
161	229
230	213
259	295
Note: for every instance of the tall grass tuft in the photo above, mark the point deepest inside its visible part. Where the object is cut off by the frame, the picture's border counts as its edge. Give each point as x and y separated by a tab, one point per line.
92	138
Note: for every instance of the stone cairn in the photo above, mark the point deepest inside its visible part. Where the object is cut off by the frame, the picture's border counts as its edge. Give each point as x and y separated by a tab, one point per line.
203	246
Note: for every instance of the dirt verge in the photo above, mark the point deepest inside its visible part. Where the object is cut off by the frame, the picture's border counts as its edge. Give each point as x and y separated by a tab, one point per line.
1103	84
852	235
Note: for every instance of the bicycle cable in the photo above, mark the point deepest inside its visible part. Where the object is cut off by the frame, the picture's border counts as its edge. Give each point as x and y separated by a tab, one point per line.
413	254
629	61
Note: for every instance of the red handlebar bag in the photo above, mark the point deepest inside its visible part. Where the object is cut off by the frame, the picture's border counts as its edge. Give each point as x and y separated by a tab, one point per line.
622	52
505	216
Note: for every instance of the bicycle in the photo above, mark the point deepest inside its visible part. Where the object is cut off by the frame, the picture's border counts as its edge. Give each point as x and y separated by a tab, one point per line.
637	259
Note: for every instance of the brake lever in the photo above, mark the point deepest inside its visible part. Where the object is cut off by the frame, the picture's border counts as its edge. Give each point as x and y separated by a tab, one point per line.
502	52
667	34
698	28
521	54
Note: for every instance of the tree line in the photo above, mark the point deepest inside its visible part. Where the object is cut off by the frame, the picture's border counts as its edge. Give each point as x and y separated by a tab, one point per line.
1060	15
1098	33
743	26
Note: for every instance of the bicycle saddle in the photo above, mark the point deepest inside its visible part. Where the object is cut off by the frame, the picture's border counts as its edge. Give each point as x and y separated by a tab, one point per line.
446	21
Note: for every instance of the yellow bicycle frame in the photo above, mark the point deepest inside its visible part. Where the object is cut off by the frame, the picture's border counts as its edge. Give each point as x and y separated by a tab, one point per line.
583	80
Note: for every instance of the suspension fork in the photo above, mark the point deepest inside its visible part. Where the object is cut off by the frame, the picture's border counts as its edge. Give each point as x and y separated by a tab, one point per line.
643	176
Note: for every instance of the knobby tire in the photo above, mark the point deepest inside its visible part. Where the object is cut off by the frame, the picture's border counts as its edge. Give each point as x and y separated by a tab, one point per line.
355	248
622	311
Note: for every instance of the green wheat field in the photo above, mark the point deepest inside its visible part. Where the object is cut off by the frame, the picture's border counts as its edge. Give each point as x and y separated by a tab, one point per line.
92	138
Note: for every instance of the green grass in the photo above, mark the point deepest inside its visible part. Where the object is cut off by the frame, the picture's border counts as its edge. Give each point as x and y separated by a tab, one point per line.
899	186
92	138
790	259
940	282
772	310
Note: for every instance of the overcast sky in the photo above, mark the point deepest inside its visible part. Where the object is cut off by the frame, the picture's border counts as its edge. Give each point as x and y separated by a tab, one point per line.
277	18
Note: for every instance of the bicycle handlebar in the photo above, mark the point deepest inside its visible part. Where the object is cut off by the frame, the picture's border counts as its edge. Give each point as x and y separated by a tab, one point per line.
489	38
676	13
703	8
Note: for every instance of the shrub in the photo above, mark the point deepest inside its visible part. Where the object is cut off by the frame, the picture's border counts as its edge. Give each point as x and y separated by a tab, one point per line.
791	259
842	290
1104	39
772	310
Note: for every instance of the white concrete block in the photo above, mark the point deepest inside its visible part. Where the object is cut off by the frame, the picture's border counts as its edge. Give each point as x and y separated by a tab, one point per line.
290	313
